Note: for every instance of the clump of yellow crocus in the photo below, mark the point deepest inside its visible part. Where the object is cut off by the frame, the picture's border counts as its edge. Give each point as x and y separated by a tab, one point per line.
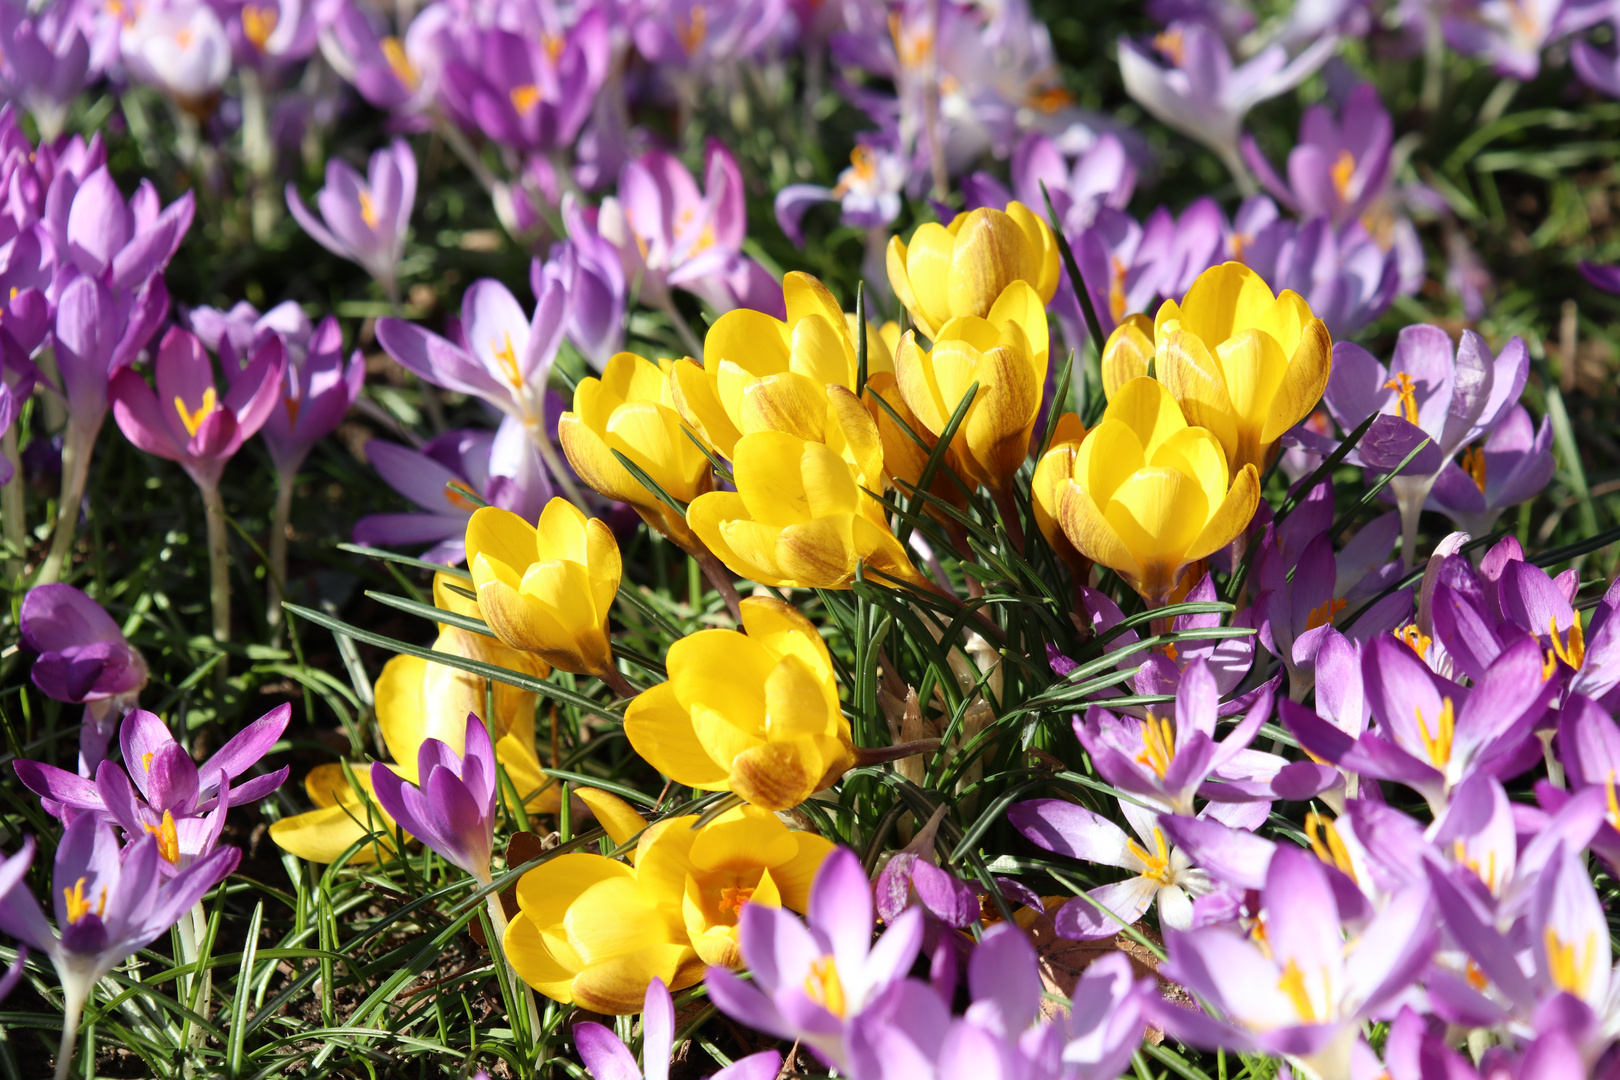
1242	362
546	588
1005	353
594	931
416	700
1147	494
948	271
1052	473
630	409
752	713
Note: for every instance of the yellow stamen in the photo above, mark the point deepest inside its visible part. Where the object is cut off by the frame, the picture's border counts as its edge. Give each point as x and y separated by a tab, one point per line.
77	906
146	761
1476	977
1170	651
507	357
194	420
368	208
862	168
1569	973
525	97
1487	873
1438	745
1573	650
1173	45
1292	984
404	70
1052	99
911	47
1614	803
1344	169
1116	288
553	44
1406	391
705	240
732	898
695	30
183	37
1473	463
1415	639
1158	744
1328	845
1324	613
258	23
1157	864
823	987
168	839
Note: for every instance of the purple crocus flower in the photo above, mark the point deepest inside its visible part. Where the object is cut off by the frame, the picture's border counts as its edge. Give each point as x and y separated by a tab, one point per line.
1512	465
1193	86
910	874
46	63
453	809
1449	395
1303	993
179	47
1512	33
1340	167
1542	607
1102	175
364	219
867	193
83	659
109	903
588	268
1161	871
690	37
192	423
607	1058
273	34
1589	749
1606	278
400	75
812	982
159	787
1345	276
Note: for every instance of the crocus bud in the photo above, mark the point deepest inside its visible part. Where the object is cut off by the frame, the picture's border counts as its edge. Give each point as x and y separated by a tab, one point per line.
1052	472
798	517
1148	494
1127	353
753	713
629	409
1243	363
546	588
1005	354
948	271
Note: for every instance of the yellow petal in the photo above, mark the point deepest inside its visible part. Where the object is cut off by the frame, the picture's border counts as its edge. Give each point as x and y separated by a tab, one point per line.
753	340
1126	354
796	701
794	877
789	402
1231	517
1157	512
991	252
895	256
721	738
1223	300
1304	382
768	476
753	548
861	443
1091	534
1148	408
1043	247
1195	453
1110	455
603	565
661	732
1191	372
697	399
804	295
819	553
829	483
545	893
708	517
782	630
724	670
822	350
560	532
928	265
502	542
777	775
534	963
914	376
741	838
1021	305
617	817
618	987
321	836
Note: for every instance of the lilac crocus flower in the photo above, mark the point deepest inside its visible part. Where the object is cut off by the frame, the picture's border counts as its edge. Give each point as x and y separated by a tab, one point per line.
911	874
868	197
1340	167
1449	395
1345	276
690	37
181	48
1512	33
589	269
108	904
193	424
83	659
1304	992
273	34
453	809
1196	89
1512	465
812	981
1589	749
607	1058
364	219
46	63
1161	871
1601	71
1606	278
400	75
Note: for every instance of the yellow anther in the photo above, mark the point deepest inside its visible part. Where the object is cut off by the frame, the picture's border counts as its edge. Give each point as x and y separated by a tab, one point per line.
146	761
1170	651
1614	803
460	496
368	208
1476	977
553	44
1292	984
1415	639
1052	99
732	898
506	356
823	987
1473	463
1173	45
1487	873
194	420
1406	396
258	23
1328	845
404	70
694	30
1116	288
911	46
525	97
168	840
183	37
1438	744
1155	864
1343	171
1158	744
1568	972
1571	650
77	906
1324	613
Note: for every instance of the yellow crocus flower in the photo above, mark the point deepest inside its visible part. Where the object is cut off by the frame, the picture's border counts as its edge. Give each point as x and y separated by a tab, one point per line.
630	409
1243	363
1147	494
417	700
752	713
1006	354
948	271
1052	472
1127	353
799	517
546	588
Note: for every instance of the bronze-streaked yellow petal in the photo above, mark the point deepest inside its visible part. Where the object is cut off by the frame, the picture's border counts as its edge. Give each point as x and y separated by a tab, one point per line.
1304	382
788	402
1091	534
1231	517
990	253
1149	410
697	399
619	986
777	775
1126	353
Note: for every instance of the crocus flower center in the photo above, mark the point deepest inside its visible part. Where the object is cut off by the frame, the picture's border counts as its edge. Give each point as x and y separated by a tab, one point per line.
1157	864
77	906
1344	168
1173	45
1569	972
168	840
1158	744
1292	984
732	899
823	986
506	356
1406	396
183	37
1324	613
1116	288
1438	744
404	70
1476	976
1571	650
1052	99
1415	639
525	97
258	23
368	208
194	420
911	46
692	30
1170	651
1473	463
460	496
1328	845
862	168
553	44
1486	873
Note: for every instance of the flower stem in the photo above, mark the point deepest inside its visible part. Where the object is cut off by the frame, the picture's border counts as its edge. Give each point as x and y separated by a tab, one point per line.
278	548
558	468
73	995
497	945
719	577
259	150
12	508
219	571
77	446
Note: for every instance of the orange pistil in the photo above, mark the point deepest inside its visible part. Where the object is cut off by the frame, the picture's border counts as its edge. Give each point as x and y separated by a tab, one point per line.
368	208
506	356
460	496
1415	639
733	898
1324	613
525	97
1116	288
1052	99
694	31
1173	45
1343	171
1473	463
